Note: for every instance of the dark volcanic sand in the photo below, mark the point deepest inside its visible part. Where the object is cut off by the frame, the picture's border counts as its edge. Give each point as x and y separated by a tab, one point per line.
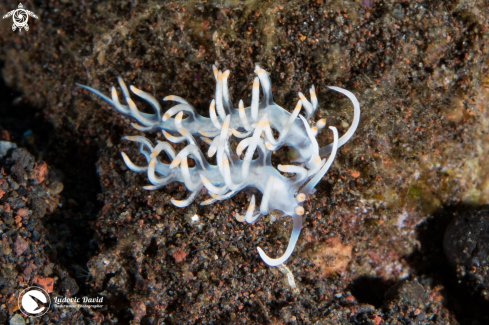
75	220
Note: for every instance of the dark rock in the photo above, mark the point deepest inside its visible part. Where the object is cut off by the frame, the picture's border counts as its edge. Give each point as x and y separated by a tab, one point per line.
17	204
23	158
8	218
13	184
35	236
417	67
37	205
148	320
406	292
22	191
466	245
4	186
30	225
68	287
3	281
19	174
3	317
10	233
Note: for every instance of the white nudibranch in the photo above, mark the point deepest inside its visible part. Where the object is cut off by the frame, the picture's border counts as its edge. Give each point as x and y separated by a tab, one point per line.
252	127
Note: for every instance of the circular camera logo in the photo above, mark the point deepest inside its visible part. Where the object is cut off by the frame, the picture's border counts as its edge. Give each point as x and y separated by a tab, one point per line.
34	301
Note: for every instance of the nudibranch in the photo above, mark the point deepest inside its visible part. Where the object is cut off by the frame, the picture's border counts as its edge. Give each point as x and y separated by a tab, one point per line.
236	170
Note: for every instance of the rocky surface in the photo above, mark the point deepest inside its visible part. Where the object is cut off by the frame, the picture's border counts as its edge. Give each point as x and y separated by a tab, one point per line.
28	194
419	69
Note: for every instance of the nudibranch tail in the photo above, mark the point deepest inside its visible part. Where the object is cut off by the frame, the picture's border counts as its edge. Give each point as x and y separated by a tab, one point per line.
261	128
296	231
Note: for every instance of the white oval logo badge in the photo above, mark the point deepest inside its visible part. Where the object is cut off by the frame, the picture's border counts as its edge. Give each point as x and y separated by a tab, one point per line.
34	301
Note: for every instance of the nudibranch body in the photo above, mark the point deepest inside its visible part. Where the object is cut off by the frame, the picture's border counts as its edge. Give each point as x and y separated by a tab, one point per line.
232	173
